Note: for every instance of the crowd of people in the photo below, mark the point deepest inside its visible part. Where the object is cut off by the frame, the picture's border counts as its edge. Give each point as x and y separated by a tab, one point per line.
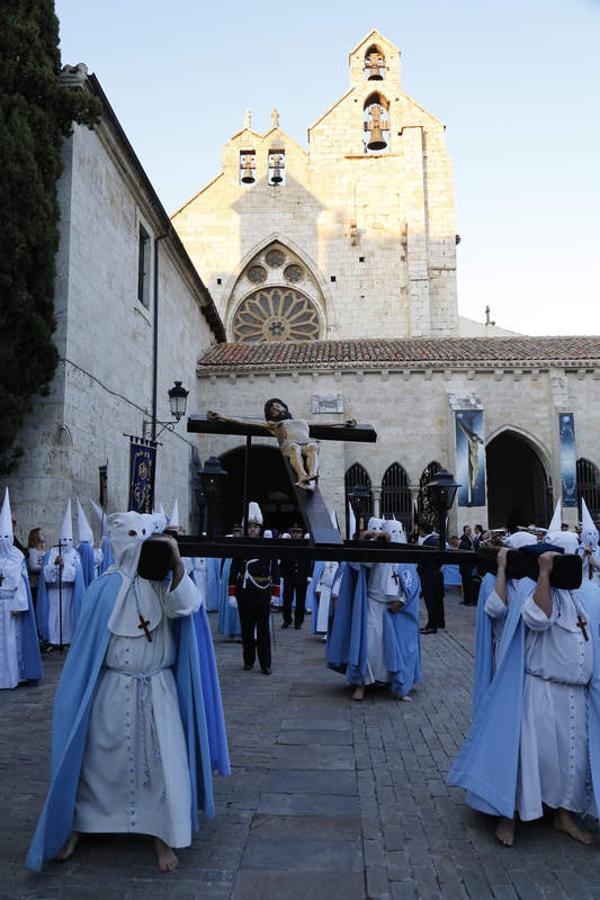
138	725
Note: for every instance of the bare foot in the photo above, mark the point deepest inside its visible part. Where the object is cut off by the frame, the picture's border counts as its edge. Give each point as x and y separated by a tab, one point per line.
167	861
69	848
565	823
359	693
505	832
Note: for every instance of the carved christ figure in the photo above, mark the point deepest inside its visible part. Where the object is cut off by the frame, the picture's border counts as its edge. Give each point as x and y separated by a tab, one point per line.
473	442
293	437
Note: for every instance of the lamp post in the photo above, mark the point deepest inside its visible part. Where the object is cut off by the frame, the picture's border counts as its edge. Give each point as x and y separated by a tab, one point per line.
359	498
441	493
212	473
178	400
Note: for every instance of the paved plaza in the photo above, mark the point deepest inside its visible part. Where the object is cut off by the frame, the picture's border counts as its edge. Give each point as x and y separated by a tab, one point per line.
329	799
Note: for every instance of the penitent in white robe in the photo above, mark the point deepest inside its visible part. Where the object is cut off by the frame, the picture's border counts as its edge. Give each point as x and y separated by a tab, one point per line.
497	610
382	589
553	755
323	588
13	602
135	777
63	598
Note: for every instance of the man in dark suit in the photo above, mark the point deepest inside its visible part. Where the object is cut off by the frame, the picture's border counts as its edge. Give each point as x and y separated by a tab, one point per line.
466	571
432	588
296	576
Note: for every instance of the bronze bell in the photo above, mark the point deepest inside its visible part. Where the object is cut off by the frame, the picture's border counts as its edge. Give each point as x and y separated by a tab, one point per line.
374	64
376	141
276	177
248	169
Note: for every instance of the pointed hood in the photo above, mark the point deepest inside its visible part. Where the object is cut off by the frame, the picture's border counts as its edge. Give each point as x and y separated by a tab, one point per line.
84	529
375	524
102	517
395	531
568	540
351	521
8	551
556	520
255	516
174	518
589	532
66	529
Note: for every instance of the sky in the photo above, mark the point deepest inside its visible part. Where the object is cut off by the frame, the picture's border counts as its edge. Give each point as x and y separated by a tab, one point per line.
517	83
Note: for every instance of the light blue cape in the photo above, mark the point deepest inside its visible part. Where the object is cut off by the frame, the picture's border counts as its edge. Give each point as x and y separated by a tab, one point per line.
402	641
73	707
88	567
228	621
213	706
30	662
487	765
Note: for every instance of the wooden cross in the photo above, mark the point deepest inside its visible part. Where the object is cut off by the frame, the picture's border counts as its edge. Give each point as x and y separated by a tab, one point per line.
581	623
144	624
312	506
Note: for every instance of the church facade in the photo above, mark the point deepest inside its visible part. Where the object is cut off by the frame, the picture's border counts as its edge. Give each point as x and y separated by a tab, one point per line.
333	268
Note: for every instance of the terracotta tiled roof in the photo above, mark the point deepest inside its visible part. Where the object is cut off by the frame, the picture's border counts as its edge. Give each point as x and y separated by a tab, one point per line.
478	352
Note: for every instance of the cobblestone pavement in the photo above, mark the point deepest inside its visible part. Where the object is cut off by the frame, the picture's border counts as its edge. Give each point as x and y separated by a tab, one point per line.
329	799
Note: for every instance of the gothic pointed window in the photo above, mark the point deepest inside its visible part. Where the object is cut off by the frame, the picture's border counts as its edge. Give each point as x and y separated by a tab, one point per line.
427	516
588	486
376	123
374	64
358	475
396	500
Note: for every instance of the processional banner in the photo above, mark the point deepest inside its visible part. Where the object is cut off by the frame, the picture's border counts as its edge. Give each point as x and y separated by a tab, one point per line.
568	458
470	457
142	469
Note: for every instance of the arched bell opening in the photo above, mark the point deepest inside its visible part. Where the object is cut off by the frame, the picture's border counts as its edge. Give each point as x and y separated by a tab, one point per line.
357	476
519	489
376	123
374	64
268	484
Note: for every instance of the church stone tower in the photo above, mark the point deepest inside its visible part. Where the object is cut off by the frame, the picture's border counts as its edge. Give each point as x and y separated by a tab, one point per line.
352	238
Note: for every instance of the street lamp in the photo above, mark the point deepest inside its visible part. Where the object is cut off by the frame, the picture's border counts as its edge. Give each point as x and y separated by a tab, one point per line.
441	493
178	400
359	498
212	473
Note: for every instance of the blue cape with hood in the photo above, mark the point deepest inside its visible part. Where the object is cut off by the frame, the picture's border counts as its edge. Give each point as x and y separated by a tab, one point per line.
42	597
312	603
30	662
88	567
402	641
213	705
73	707
484	648
487	765
213	580
228	620
107	556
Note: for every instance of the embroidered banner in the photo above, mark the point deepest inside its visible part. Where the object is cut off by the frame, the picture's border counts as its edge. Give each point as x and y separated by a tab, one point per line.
470	457
142	469
568	458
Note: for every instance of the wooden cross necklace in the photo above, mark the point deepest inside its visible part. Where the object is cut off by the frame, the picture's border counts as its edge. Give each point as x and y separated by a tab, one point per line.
143	622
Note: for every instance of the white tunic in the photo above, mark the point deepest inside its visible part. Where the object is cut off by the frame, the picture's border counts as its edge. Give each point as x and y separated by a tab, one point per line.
553	757
324	590
64	598
135	776
13	602
382	589
497	610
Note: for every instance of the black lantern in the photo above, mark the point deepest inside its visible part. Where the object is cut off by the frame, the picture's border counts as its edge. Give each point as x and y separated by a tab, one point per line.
441	493
178	400
212	473
359	498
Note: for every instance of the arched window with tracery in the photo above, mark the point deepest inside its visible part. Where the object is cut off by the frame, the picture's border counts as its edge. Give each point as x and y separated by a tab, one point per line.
376	123
276	298
358	475
427	516
588	487
396	500
374	64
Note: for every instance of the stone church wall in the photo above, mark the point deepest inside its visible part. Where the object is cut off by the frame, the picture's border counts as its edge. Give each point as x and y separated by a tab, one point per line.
103	386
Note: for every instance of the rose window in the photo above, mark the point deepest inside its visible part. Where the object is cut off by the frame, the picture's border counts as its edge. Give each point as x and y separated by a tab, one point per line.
276	314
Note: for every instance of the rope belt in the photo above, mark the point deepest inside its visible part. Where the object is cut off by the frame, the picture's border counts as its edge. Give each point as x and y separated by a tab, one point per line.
144	700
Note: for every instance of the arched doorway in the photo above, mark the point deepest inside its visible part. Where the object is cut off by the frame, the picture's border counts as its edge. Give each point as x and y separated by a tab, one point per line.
268	484
518	488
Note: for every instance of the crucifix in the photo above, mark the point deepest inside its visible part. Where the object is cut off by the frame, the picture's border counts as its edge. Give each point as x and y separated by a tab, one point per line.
581	623
298	442
144	625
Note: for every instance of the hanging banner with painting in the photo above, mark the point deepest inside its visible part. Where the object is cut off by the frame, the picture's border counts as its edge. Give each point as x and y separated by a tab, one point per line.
568	458
470	457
